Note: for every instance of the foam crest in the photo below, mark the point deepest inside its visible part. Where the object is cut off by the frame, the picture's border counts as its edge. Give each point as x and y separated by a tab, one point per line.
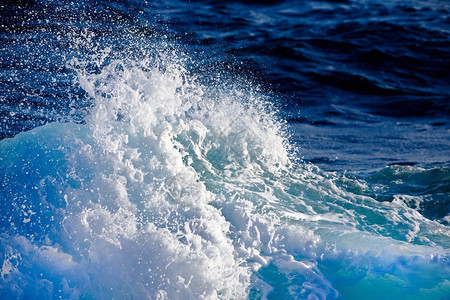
219	152
173	189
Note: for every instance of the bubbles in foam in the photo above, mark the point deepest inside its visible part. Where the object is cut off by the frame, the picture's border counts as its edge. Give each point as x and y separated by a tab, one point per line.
174	189
131	208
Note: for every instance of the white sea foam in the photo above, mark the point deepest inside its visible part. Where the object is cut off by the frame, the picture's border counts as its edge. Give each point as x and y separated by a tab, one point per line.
176	190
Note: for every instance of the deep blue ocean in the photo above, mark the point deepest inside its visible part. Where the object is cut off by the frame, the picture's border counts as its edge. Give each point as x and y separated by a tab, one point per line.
225	149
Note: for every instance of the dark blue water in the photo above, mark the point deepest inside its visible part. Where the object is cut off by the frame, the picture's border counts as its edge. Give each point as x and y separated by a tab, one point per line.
241	149
375	71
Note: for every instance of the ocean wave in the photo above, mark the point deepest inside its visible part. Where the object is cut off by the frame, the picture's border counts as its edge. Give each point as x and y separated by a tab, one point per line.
173	189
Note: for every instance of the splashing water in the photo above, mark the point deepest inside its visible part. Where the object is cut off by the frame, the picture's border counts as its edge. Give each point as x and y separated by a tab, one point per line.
175	189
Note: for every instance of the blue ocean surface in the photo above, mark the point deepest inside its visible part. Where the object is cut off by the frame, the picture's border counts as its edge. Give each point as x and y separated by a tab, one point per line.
180	149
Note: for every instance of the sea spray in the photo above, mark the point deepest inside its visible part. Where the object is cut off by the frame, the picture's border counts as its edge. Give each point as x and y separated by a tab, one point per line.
171	188
129	212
